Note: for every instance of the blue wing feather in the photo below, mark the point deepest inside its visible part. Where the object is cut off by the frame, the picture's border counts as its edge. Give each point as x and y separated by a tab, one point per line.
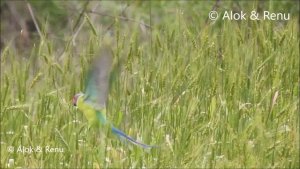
97	82
120	133
123	135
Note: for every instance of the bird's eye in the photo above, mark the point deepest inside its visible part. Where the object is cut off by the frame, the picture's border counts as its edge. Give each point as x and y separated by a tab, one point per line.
74	100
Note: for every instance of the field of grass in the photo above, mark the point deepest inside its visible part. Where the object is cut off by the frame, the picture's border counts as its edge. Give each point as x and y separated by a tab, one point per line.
221	94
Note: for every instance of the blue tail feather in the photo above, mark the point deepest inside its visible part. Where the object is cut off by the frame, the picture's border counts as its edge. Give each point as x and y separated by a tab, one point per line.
122	134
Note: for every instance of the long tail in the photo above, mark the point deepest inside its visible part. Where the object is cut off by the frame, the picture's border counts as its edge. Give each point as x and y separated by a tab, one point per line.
123	135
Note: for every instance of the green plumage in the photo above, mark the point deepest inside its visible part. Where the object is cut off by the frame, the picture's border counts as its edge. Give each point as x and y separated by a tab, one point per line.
93	102
95	117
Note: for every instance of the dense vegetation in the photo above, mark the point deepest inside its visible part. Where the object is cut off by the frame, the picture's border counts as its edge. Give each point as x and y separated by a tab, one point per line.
210	94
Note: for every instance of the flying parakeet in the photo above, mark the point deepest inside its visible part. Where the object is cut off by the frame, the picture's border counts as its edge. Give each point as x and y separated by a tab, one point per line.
92	103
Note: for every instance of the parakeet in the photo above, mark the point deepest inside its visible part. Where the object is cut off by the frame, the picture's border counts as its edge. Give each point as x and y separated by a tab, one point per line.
92	103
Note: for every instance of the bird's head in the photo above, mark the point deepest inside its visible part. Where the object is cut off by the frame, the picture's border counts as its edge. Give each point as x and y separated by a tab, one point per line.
75	98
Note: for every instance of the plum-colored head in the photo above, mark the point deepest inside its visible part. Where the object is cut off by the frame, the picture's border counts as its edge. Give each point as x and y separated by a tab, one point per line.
75	98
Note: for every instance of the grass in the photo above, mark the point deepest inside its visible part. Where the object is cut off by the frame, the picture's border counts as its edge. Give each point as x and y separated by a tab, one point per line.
222	95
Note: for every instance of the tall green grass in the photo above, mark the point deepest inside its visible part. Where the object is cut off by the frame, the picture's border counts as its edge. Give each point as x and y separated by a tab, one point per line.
213	97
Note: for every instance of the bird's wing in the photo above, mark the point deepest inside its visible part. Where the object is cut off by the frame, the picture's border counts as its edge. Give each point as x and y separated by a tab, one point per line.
97	83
